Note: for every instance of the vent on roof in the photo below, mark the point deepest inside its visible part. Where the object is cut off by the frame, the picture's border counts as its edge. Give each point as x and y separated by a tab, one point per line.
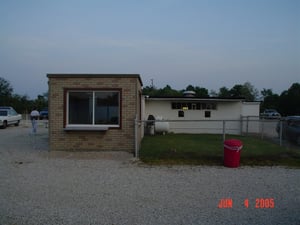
189	94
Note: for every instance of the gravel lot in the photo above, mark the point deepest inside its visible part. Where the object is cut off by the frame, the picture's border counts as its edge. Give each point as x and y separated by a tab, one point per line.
41	187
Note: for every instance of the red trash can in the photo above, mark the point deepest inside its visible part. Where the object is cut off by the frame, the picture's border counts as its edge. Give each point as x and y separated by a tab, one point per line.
232	152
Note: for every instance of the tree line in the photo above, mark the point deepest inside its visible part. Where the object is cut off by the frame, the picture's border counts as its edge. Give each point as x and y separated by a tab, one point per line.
287	103
22	104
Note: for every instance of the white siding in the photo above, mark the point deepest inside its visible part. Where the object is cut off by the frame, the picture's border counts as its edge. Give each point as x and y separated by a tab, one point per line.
250	109
225	110
250	115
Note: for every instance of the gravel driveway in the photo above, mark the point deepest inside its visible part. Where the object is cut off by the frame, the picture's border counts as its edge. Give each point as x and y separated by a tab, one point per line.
38	187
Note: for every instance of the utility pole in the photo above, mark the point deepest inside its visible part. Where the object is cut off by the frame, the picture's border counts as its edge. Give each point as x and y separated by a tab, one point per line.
152	81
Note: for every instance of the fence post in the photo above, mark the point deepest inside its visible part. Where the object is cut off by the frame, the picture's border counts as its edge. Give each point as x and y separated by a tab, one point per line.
280	133
247	126
224	130
262	129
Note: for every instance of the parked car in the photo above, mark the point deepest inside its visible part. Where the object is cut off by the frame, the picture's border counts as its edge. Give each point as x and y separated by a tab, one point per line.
9	116
290	128
44	114
270	114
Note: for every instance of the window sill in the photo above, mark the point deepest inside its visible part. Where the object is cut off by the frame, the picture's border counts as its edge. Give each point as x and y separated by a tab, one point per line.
82	128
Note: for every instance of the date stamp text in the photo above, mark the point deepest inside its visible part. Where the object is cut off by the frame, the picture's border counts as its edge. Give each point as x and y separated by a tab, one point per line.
259	203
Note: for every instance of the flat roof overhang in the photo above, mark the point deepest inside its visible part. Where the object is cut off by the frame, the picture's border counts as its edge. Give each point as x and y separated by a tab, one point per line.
193	99
96	75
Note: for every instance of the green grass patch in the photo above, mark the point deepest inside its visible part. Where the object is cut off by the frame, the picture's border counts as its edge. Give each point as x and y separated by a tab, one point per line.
207	149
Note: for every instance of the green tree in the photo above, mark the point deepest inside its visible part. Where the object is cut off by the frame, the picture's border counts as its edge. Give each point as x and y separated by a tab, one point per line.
6	91
270	100
19	103
224	92
246	91
190	88
199	91
41	102
289	102
249	92
266	92
236	91
167	91
150	90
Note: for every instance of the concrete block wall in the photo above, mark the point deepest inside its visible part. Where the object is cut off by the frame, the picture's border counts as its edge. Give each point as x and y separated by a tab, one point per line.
114	139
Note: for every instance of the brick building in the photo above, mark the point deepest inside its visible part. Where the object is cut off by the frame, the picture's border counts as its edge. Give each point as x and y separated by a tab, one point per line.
94	112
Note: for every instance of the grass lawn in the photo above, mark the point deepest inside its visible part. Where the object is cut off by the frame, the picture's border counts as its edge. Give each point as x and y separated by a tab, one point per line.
207	149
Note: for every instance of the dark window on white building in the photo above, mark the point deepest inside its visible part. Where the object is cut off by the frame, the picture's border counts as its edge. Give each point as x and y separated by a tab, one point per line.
207	114
194	105
180	113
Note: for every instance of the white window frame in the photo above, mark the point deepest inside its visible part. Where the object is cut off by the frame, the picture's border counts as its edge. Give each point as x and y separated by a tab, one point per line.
93	125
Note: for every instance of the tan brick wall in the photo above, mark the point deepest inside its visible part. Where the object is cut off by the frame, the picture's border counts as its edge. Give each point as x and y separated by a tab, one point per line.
114	139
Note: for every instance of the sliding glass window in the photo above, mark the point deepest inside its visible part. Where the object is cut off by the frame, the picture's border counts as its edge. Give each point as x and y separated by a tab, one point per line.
94	108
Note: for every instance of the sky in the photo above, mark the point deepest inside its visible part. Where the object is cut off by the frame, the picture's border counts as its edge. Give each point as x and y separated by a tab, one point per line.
205	43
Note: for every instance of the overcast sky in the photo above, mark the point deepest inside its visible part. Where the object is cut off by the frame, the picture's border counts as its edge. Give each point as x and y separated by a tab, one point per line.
208	43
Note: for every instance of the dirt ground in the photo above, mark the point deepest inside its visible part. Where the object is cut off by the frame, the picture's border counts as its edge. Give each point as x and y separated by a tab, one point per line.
42	187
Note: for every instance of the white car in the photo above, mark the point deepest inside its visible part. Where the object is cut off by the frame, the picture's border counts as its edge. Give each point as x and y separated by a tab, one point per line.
9	116
270	114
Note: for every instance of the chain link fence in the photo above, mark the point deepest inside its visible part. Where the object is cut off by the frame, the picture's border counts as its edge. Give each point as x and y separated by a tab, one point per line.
274	130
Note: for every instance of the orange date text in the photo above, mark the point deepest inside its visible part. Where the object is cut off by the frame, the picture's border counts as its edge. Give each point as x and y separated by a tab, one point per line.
264	203
259	203
225	203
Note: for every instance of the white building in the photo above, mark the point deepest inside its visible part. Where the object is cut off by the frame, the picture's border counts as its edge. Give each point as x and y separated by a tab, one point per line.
203	115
